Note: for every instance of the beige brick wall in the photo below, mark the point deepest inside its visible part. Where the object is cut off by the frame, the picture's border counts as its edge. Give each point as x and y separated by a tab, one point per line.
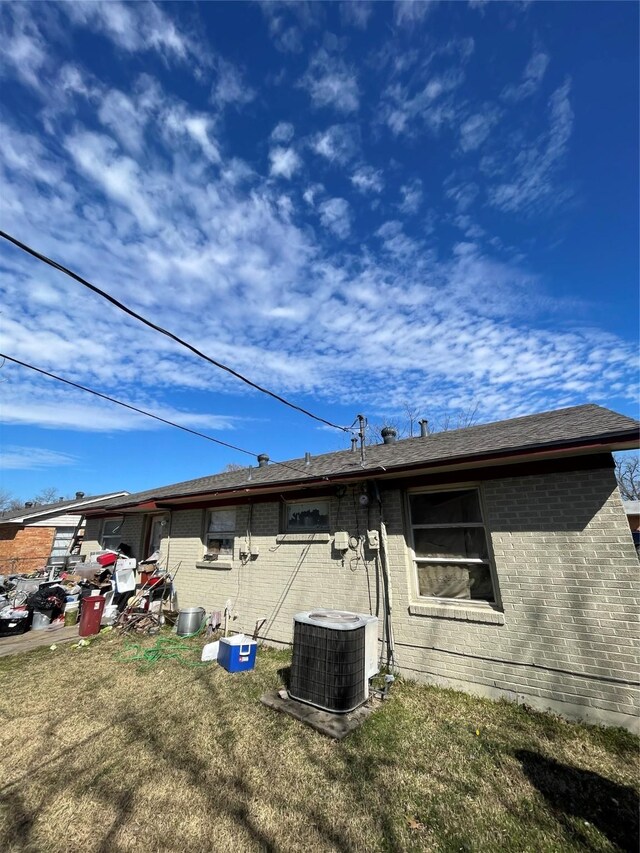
284	579
568	583
132	530
567	574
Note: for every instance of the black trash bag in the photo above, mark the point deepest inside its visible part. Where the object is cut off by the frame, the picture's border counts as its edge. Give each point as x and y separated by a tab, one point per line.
48	598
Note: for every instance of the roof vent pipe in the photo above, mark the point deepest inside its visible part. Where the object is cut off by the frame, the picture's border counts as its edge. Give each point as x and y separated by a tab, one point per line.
307	458
79	496
263	460
424	424
354	444
389	435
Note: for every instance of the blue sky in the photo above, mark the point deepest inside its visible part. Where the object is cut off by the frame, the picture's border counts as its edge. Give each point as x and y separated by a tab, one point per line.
364	207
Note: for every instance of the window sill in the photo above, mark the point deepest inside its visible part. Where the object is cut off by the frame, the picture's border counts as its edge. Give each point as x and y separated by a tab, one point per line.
303	537
461	612
218	565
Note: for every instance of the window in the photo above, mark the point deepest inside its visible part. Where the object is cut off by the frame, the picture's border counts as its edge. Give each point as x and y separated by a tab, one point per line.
111	533
157	526
450	545
307	516
219	535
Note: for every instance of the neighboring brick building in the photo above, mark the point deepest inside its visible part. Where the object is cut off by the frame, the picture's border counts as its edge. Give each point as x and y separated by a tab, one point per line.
509	563
24	549
30	537
632	510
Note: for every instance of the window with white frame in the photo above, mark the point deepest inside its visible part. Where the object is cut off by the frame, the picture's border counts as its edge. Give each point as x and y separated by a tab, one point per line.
306	516
219	534
450	548
111	533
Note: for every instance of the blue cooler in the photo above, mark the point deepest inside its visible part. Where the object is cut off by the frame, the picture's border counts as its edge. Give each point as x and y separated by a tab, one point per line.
237	654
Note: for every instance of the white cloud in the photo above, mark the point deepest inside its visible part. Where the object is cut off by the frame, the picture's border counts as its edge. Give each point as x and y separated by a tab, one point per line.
124	118
71	80
118	176
529	180
531	79
22	46
356	13
463	193
136	28
338	143
284	162
15	457
405	109
177	124
288	22
229	259
230	87
330	82
78	411
367	179
336	217
408	13
26	159
475	130
311	193
411	196
283	132
395	241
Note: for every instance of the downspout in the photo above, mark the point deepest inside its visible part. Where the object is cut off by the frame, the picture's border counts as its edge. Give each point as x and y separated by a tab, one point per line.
169	538
386	584
172	600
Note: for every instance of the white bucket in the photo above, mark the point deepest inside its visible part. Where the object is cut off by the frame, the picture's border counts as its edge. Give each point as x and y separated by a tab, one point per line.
40	621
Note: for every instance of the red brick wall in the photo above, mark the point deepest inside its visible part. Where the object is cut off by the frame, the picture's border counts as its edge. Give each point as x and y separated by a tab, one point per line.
24	549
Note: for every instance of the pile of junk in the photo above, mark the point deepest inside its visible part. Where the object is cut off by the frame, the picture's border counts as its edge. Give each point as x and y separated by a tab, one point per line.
109	588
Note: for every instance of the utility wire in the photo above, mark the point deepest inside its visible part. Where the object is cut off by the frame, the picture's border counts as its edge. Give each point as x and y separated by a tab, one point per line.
166	332
125	405
144	412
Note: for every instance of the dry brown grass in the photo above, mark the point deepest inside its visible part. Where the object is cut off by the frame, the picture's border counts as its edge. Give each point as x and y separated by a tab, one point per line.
99	756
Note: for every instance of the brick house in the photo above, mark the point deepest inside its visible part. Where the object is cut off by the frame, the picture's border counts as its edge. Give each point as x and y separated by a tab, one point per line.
32	536
498	557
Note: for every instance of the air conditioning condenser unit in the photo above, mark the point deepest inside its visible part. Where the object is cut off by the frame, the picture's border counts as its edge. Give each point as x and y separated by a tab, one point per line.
335	653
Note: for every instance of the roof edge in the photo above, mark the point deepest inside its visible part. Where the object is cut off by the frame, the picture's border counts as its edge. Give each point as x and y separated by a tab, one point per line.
627	439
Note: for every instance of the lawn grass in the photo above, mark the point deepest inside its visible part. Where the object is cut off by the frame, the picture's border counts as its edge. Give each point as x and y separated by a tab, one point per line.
101	755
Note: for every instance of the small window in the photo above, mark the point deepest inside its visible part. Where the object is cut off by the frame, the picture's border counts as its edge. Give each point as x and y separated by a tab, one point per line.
450	546
219	535
307	516
111	533
157	527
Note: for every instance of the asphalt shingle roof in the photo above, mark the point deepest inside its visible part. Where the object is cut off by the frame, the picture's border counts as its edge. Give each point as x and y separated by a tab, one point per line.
55	508
569	426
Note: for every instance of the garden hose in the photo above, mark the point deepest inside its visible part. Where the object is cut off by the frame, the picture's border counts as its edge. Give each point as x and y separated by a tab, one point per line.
165	649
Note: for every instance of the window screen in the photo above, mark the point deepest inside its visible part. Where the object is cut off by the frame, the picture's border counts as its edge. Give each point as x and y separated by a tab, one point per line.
450	545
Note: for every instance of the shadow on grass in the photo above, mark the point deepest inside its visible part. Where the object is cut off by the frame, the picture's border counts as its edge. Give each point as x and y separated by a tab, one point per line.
575	793
285	674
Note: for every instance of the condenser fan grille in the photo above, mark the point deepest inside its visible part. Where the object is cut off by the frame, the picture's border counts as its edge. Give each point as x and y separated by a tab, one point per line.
334	616
328	665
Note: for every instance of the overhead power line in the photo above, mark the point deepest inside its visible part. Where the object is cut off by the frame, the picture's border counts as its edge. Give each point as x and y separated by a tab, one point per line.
143	412
125	405
46	260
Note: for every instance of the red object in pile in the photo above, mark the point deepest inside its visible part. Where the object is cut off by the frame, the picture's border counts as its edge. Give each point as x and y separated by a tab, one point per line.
106	559
92	608
149	579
